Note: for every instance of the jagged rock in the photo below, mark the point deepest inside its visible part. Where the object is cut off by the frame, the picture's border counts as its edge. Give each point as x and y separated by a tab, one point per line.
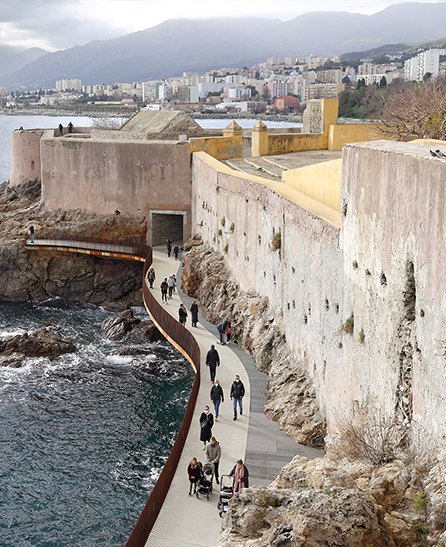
12	362
30	275
290	393
40	343
307	518
135	331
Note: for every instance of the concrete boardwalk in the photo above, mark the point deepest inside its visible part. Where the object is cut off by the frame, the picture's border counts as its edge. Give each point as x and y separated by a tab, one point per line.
186	521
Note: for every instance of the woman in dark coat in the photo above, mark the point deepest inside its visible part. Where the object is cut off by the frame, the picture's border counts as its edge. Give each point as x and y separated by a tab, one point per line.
241	476
194	313
206	423
194	472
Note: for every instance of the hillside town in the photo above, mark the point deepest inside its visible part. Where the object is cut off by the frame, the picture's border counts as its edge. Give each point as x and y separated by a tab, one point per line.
278	85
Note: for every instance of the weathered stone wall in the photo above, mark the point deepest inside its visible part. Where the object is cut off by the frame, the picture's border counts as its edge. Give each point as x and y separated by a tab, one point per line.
25	152
382	272
104	176
303	280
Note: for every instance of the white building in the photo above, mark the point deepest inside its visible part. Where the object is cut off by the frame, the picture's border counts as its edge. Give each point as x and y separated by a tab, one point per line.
150	90
423	63
239	92
166	92
68	85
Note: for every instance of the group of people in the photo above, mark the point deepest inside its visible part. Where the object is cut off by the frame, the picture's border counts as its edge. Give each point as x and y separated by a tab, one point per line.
239	473
225	331
176	249
168	285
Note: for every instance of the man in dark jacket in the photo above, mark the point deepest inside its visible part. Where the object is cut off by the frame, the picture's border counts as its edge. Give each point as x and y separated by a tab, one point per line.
217	397
212	361
237	394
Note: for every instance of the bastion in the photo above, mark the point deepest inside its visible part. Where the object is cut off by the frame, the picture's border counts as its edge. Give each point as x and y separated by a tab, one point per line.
352	264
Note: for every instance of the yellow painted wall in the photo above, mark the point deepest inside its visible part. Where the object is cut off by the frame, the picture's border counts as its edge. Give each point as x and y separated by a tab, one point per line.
220	148
338	135
283	143
321	182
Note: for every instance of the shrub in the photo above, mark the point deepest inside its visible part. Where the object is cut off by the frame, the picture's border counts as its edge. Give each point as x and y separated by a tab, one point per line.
223	222
420	500
220	233
361	336
349	325
360	436
276	242
226	248
231	228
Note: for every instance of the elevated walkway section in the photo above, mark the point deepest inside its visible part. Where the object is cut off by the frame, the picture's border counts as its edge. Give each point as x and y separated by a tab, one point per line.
184	521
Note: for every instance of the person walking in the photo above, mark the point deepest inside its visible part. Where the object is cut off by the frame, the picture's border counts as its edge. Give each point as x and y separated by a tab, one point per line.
221	327
169	247
241	476
217	397
151	277
194	313
229	332
237	394
206	423
176	250
31	233
171	285
194	472
164	288
182	315
213	454
212	361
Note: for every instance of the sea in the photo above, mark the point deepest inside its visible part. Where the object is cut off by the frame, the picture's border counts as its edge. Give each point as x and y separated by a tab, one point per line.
83	438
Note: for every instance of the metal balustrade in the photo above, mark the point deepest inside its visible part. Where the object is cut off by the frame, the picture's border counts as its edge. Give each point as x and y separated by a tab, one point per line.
178	335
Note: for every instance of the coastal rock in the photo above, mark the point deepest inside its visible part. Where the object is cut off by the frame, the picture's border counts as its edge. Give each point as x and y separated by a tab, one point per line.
40	343
291	399
133	330
30	275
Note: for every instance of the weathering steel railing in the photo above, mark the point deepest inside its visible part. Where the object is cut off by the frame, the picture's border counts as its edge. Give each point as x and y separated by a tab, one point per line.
179	336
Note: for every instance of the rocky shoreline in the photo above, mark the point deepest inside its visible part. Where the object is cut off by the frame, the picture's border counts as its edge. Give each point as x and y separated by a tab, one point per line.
28	275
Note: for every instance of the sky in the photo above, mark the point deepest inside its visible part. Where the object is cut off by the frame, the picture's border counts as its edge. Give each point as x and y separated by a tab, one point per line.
61	24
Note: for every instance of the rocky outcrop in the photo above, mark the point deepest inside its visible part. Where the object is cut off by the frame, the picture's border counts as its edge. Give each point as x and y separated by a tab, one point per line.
40	343
342	503
29	275
125	326
291	395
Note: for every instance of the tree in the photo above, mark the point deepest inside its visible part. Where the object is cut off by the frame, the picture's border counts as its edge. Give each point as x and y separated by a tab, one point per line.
416	110
361	83
383	82
346	80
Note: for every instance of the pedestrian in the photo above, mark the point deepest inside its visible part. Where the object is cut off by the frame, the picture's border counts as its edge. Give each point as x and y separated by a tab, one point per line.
237	394
31	233
176	250
182	314
174	278
221	327
229	332
171	285
213	454
169	247
241	476
194	313
212	361
151	277
61	129
70	128
194	472
206	423
164	288
217	397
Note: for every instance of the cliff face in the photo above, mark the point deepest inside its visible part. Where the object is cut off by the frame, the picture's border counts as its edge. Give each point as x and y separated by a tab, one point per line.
291	396
30	275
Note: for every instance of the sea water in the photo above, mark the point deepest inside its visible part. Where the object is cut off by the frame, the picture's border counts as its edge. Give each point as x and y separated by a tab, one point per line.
84	437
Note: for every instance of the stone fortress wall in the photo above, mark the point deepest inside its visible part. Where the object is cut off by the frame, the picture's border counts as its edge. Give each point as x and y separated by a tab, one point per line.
380	261
368	246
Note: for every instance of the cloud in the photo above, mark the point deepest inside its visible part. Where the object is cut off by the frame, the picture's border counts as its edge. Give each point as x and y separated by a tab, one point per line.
60	24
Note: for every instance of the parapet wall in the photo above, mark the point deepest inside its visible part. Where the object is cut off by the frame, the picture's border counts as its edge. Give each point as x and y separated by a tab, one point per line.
384	267
102	176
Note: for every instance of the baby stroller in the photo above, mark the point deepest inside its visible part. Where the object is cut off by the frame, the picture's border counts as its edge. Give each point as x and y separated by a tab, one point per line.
226	493
204	485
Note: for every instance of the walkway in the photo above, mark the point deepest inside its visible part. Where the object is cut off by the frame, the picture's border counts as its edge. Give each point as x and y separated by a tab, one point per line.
185	521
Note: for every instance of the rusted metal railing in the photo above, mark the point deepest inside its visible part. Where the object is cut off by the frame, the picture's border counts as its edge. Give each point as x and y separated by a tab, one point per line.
178	335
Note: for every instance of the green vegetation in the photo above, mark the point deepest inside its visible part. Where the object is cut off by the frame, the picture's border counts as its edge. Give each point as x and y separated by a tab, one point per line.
349	325
223	221
226	248
231	228
420	500
276	242
361	336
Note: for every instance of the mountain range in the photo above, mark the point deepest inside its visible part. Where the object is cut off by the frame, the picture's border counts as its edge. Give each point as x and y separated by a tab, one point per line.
179	45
